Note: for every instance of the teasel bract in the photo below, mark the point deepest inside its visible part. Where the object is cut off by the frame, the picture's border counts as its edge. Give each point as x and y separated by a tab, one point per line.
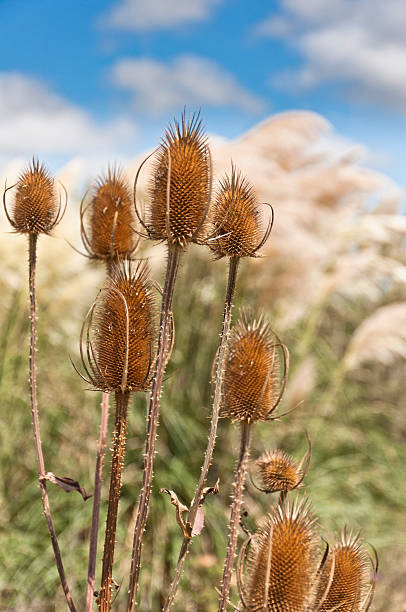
234	230
119	357
347	581
282	561
255	376
179	200
36	209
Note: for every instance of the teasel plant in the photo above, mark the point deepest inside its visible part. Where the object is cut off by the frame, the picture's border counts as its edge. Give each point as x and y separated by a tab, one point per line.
256	369
118	347
179	198
235	230
36	209
108	232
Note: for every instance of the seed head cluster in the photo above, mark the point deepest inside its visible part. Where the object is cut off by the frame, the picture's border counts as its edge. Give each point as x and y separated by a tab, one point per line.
252	376
110	232
235	219
282	560
180	189
278	471
124	331
35	209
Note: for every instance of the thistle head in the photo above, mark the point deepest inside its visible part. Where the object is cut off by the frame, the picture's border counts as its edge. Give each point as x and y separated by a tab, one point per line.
278	471
344	582
179	192
255	371
109	231
36	208
282	560
120	336
236	225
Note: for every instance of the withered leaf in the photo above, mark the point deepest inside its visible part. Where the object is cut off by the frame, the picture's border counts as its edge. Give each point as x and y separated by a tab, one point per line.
179	509
67	484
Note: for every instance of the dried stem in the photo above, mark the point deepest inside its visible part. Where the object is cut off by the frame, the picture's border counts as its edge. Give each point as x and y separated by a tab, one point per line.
98	476
174	253
235	514
35	419
119	439
218	383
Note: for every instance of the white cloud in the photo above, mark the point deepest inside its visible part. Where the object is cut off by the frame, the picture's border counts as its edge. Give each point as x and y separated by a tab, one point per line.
33	119
358	43
157	14
157	87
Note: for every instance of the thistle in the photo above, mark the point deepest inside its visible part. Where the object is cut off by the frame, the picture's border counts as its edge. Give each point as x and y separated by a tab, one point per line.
37	209
108	233
120	350
255	375
179	203
282	561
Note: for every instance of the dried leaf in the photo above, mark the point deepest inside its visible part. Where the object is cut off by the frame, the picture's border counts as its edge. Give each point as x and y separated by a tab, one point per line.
179	509
199	521
67	484
210	491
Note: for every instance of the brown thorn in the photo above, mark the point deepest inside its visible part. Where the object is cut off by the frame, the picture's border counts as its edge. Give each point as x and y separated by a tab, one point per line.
240	564
305	461
135	189
267	570
4	202
268	229
168	195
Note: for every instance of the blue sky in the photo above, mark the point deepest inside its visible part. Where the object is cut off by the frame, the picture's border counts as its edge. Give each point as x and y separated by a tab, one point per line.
102	77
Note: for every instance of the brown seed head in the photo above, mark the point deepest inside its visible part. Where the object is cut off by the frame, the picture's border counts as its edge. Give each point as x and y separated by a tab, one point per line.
180	189
282	560
122	331
350	576
252	376
235	218
35	209
278	471
110	228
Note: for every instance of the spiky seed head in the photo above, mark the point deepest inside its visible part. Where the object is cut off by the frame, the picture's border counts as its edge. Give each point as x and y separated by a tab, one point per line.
35	208
252	375
110	228
283	554
180	189
278	471
350	575
127	290
235	218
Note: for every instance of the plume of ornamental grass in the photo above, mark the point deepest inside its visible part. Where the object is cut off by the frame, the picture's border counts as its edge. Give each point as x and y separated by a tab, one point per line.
120	349
108	232
235	231
345	584
282	561
179	196
256	368
36	209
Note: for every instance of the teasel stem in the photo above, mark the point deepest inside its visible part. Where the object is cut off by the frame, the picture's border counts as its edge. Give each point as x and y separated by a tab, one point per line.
119	439
98	477
218	383
241	471
35	420
174	253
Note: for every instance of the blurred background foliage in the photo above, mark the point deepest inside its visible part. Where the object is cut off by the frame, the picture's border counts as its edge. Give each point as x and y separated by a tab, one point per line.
332	282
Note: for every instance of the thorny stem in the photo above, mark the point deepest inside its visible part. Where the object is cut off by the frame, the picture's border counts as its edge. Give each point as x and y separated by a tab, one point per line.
241	471
218	383
35	420
174	253
119	438
98	476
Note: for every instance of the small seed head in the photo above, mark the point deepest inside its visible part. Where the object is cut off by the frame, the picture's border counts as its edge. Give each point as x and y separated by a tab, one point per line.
252	376
235	218
180	188
278	471
35	208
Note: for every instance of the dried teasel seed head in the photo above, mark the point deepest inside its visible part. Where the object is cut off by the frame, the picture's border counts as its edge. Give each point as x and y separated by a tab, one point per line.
110	227
235	218
282	560
350	581
121	331
278	471
36	208
180	189
253	381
